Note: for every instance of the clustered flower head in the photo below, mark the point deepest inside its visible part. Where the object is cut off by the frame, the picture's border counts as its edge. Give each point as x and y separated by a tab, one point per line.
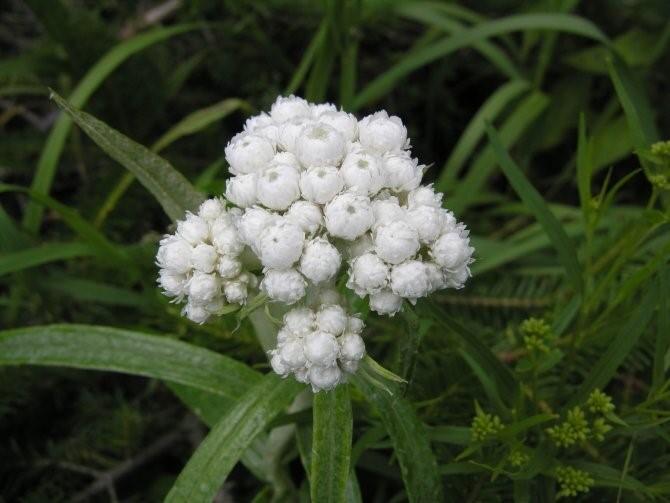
572	481
317	192
200	263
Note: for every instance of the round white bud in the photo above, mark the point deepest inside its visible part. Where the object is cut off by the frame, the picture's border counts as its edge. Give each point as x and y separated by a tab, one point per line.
280	245
321	348
456	279
382	133
318	109
363	172
349	366
228	267
343	122
216	305
385	302
195	312
403	173
287	159
427	220
395	242
236	291
320	260
352	347
300	321
410	280
359	246
320	184
324	378
248	153
387	210
424	195
284	285
193	229
252	224
348	216
277	187
241	190
174	254
332	319
225	238
204	257
289	132
367	274
355	325
451	251
211	209
287	107
305	215
203	287
257	122
278	365
436	276
292	354
173	284
319	145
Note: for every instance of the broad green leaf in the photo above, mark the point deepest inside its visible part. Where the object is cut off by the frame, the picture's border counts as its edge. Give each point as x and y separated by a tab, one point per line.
211	463
48	161
172	190
381	85
536	204
112	349
474	132
43	254
410	442
331	445
619	346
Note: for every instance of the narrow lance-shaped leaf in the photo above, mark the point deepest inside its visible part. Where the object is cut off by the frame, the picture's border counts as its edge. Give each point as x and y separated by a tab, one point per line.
211	463
43	254
105	348
331	445
172	190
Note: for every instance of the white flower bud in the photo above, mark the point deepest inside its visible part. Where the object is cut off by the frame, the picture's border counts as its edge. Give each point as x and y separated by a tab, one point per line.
403	173
382	133
195	312
241	190
320	260
450	224
225	237
319	145
348	216
410	280
173	284
284	334
302	375
292	354
289	132
174	254
456	279
363	172
352	347
387	210
324	378
287	107
359	246
395	242
257	121
305	215
321	348
248	153
193	229
385	302
332	319
236	291
367	274
320	184
285	285
300	321
287	159
355	325
277	364
204	257
451	251
424	195
436	276
427	220
203	287
211	209
277	187
349	366
228	267
253	223
281	244
343	122
318	109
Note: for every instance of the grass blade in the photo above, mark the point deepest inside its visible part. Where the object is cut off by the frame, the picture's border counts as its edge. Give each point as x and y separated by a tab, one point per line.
221	450
112	349
44	254
331	445
48	161
410	441
172	190
536	204
662	344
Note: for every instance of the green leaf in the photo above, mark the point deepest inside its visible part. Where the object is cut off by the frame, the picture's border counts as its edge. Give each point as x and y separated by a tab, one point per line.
331	445
43	254
48	161
536	204
95	291
112	349
410	442
211	463
172	190
662	344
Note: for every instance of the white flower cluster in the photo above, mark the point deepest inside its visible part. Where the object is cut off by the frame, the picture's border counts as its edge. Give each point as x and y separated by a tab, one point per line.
315	183
200	262
318	348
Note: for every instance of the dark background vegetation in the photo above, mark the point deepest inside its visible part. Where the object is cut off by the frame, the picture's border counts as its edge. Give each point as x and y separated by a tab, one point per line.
63	430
